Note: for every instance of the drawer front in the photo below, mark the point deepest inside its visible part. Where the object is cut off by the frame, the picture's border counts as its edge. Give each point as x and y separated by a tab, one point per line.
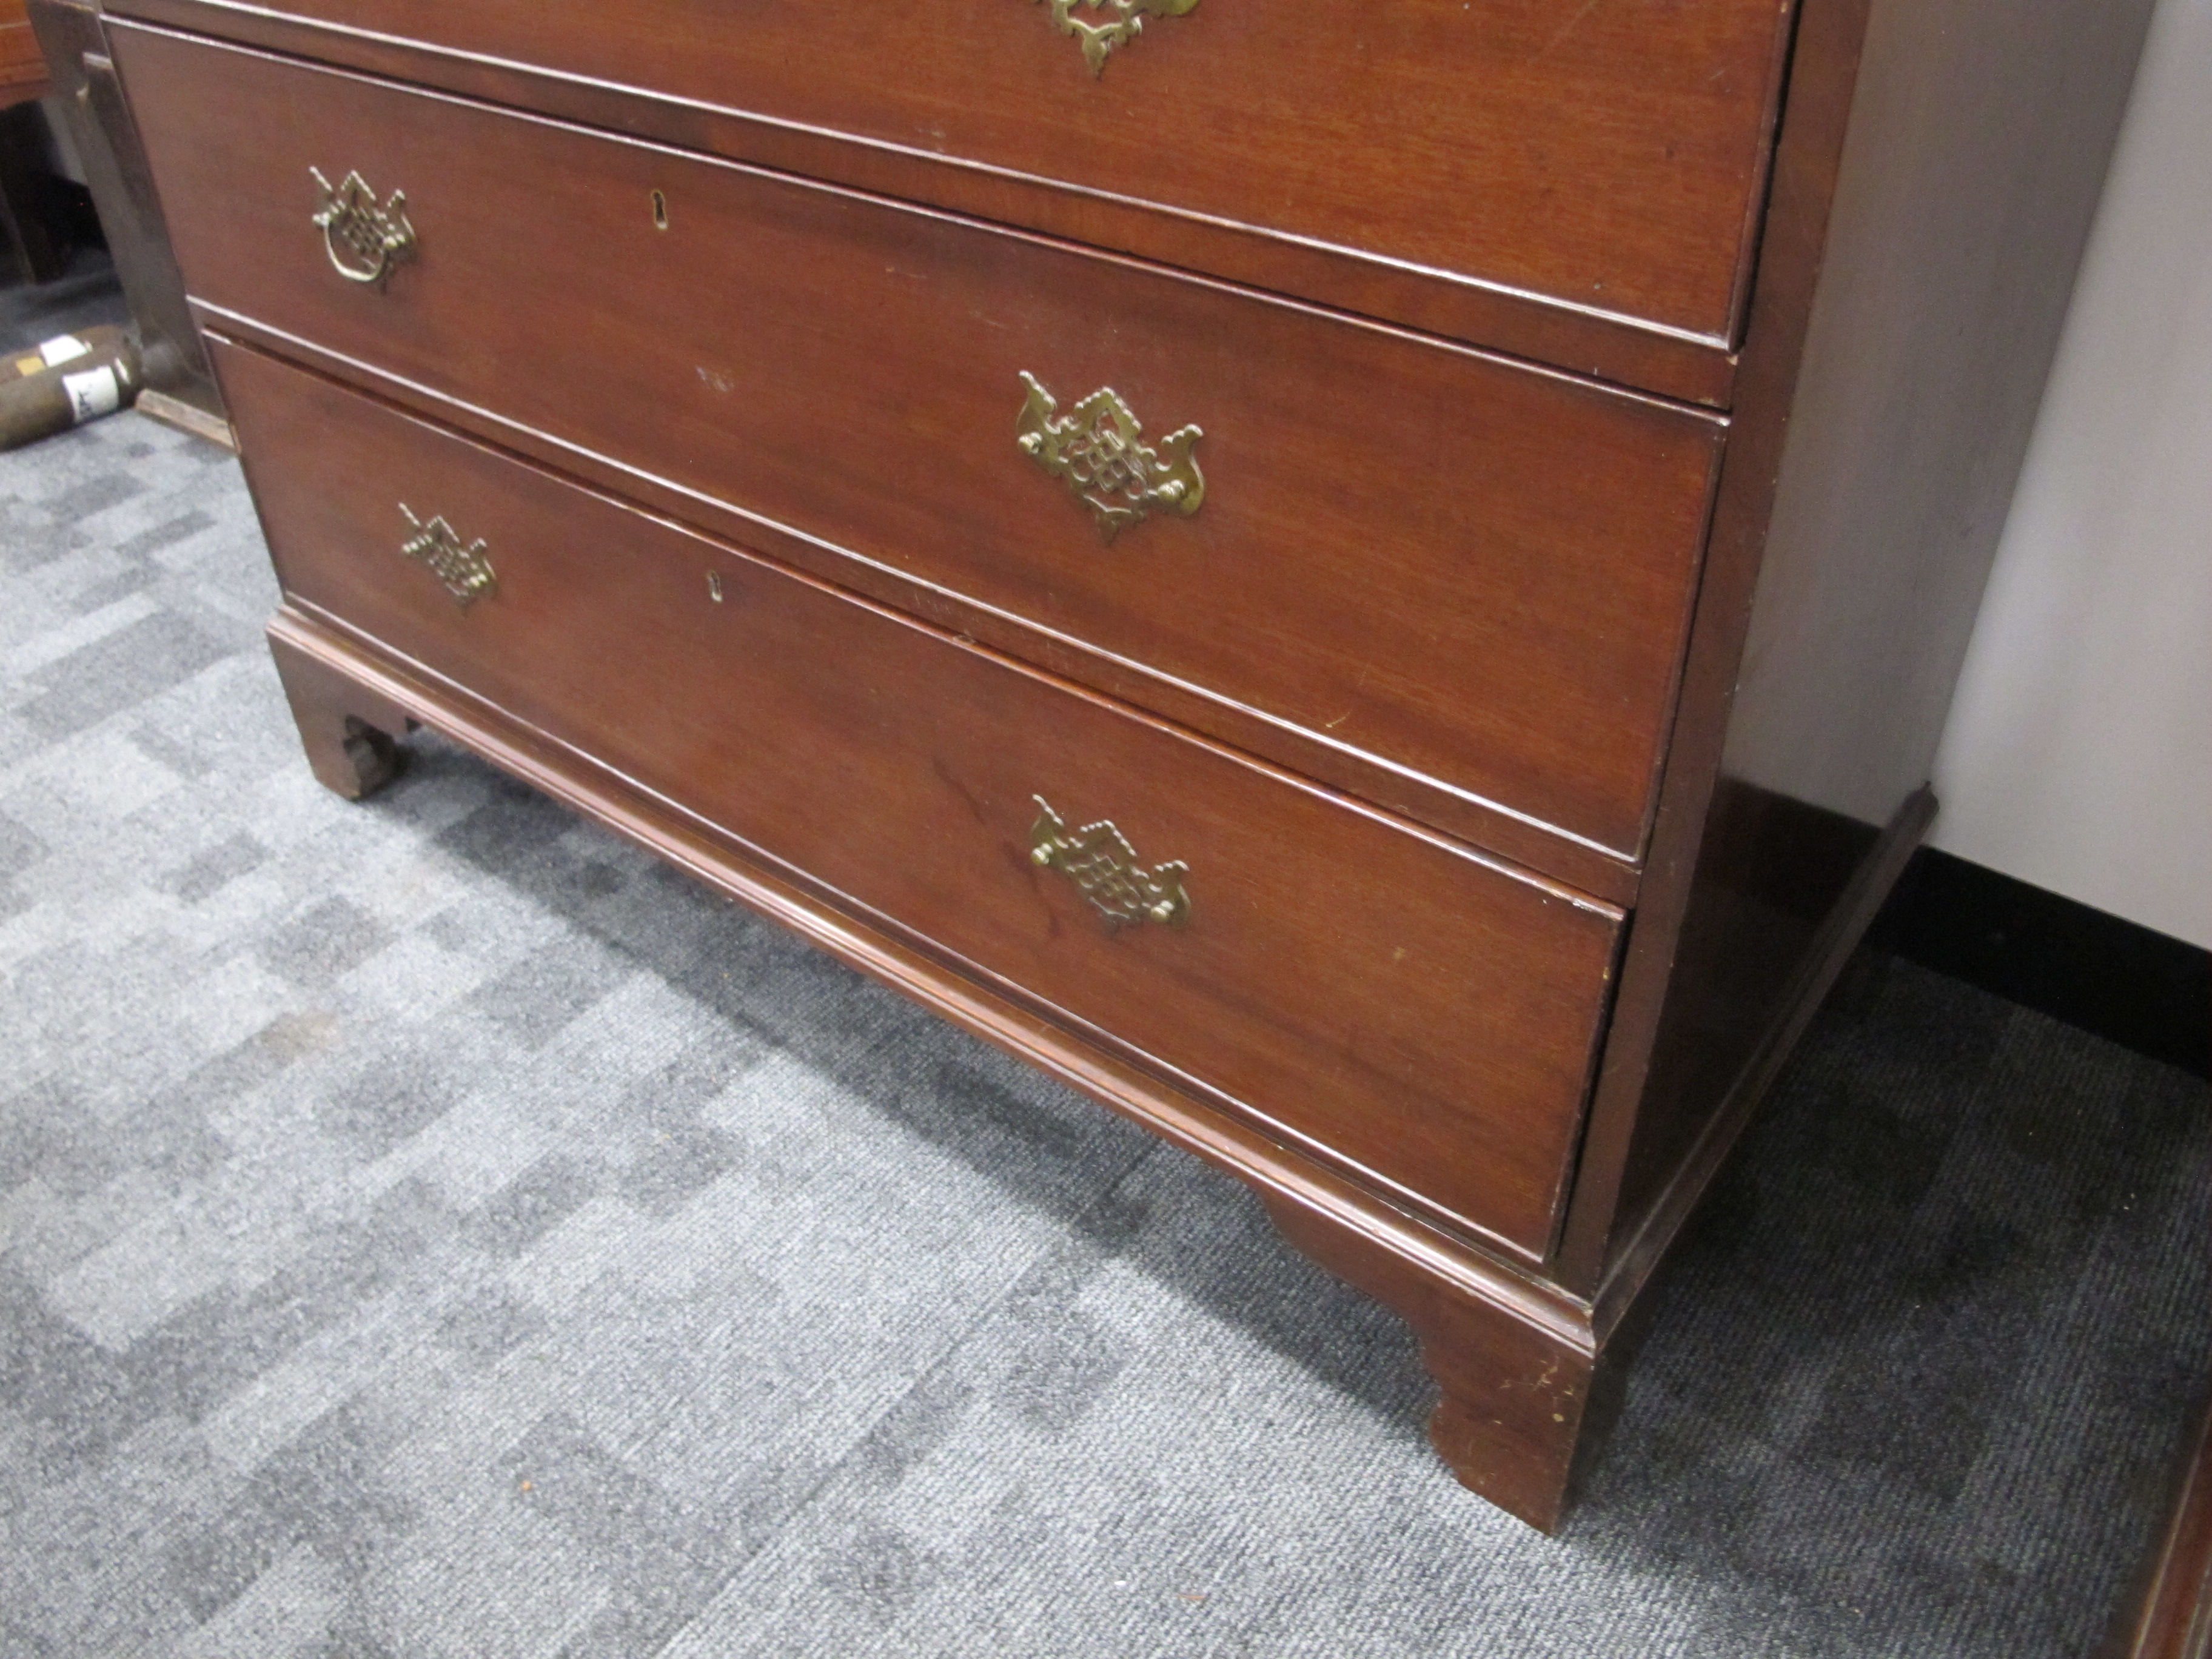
1475	572
1415	1011
1608	157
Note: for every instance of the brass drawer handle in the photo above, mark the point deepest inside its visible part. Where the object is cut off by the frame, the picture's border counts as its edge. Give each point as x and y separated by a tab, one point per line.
364	241
465	572
1094	451
1125	24
1105	868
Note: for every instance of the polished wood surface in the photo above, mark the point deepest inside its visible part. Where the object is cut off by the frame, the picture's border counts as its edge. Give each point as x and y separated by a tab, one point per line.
1430	586
23	69
1518	839
1598	343
1388	1001
1514	1385
352	736
1475	573
2170	1616
1597	1240
1604	158
1461	1290
1920	250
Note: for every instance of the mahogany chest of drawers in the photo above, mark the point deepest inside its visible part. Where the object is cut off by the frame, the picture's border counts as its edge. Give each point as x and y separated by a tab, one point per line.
1373	584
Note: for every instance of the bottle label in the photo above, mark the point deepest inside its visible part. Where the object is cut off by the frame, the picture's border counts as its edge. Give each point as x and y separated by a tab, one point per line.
92	394
63	349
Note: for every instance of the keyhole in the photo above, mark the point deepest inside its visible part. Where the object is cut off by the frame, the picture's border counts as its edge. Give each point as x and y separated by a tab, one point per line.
660	211
714	585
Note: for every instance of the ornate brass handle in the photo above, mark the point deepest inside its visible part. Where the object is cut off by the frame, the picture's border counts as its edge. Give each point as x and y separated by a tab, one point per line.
364	241
1125	22
465	572
1094	450
1105	868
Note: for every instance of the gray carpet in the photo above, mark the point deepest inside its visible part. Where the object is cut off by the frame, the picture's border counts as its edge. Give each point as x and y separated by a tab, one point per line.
429	1227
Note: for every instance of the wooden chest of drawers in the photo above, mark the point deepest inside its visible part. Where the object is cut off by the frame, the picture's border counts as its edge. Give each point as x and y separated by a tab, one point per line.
1372	585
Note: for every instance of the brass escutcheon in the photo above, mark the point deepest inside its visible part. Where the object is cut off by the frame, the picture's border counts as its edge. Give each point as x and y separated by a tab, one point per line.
1106	870
1125	22
466	571
1095	451
364	241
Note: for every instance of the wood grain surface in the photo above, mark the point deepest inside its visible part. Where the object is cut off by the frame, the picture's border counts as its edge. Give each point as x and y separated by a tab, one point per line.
1607	159
1476	573
780	597
2169	1616
1394	1004
1935	183
1515	1389
1451	1286
23	69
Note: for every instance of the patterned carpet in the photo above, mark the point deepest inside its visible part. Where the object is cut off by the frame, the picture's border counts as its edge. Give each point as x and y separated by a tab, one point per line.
429	1227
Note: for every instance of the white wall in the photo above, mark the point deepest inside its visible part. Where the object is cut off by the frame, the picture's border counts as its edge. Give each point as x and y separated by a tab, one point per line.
2078	753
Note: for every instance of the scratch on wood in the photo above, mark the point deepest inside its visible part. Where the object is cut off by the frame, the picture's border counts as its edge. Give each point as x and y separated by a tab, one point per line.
1566	29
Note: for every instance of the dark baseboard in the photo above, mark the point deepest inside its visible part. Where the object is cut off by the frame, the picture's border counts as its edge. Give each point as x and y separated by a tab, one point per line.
2126	983
2169	1613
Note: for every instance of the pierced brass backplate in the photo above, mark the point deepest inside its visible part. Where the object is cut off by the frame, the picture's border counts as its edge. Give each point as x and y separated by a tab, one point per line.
1125	22
1094	450
465	572
1099	861
364	241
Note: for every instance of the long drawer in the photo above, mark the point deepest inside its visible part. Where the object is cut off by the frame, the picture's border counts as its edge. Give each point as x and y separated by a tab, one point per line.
1380	994
1607	157
1476	573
